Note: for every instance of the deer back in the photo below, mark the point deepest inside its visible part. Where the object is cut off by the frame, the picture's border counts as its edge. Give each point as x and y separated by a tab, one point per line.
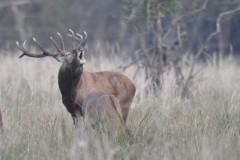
113	83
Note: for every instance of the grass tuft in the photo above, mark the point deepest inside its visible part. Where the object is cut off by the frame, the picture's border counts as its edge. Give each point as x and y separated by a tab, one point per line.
37	125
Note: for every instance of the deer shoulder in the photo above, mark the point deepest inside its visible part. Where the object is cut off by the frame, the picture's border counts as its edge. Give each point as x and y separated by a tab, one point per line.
113	83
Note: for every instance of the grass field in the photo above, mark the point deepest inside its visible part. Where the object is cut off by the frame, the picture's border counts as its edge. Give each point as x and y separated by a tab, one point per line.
38	127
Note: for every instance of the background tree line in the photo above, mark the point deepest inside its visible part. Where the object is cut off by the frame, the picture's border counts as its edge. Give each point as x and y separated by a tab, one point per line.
158	35
109	20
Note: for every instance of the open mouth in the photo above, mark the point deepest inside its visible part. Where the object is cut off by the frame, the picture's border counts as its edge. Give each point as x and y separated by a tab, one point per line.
81	55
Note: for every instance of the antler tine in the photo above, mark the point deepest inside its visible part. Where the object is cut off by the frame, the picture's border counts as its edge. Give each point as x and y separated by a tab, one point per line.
73	37
55	45
46	53
80	40
85	36
27	53
21	48
80	36
61	51
85	39
23	43
62	43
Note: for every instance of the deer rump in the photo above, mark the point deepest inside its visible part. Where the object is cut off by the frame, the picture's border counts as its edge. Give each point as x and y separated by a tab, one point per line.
102	109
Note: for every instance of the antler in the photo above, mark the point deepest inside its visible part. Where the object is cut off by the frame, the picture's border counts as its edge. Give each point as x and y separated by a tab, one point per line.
82	39
45	53
62	50
73	37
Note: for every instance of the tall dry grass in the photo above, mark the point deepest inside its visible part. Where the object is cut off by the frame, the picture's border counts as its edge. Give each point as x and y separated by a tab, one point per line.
37	125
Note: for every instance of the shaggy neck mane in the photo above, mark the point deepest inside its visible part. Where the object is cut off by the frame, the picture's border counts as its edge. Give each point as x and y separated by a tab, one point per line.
68	79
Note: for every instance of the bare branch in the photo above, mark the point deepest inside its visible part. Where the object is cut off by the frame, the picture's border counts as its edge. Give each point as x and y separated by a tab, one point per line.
218	23
177	21
190	14
223	15
131	63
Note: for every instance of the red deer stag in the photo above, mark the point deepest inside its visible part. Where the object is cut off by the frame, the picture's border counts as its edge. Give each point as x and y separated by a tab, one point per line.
103	109
75	84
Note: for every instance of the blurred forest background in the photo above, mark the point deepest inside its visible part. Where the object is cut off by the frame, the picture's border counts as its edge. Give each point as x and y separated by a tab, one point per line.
115	21
157	35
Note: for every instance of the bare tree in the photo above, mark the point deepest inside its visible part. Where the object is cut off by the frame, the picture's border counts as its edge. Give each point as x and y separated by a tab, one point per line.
159	48
223	45
164	47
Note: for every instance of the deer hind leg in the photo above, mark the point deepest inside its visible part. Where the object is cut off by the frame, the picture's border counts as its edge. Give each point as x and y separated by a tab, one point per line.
125	100
125	106
118	124
125	110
